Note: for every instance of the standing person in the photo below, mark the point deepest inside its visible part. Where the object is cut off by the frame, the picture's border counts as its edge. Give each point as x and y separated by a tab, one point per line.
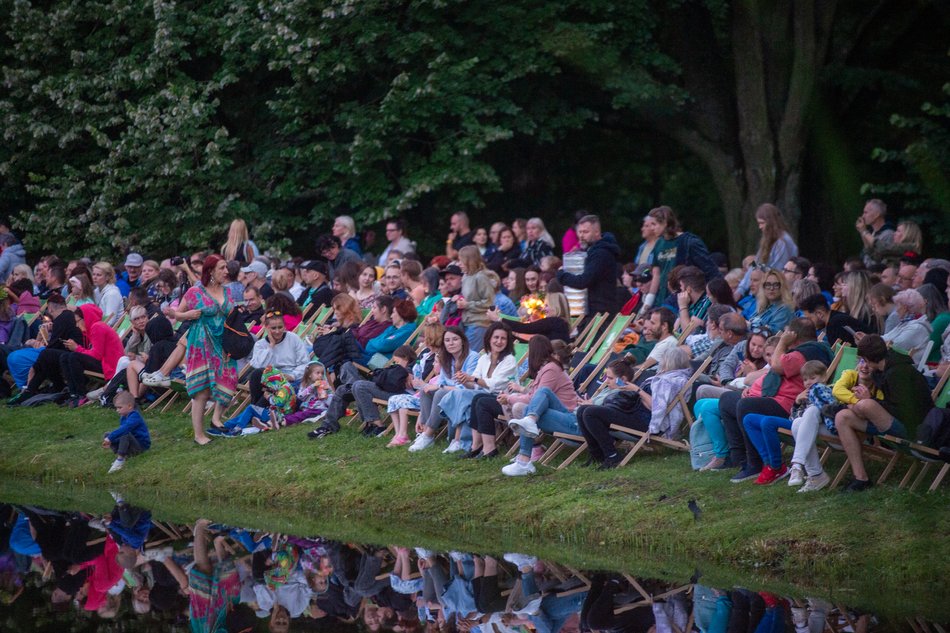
344	229
675	248
330	249
106	294
599	277
650	232
12	253
367	292
776	246
478	293
460	234
396	234
209	372
875	231
520	229
238	247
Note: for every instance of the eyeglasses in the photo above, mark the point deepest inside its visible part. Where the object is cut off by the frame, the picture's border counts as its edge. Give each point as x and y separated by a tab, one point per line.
771	285
762	330
791	270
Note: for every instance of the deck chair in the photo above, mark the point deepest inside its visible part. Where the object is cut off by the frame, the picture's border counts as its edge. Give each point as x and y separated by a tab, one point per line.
583	338
562	441
602	354
642	438
848	360
838	350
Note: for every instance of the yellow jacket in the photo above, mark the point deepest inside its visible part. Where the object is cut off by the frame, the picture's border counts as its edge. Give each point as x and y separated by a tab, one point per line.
843	389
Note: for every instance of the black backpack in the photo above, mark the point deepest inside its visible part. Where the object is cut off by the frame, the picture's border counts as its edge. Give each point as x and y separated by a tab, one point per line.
934	431
236	341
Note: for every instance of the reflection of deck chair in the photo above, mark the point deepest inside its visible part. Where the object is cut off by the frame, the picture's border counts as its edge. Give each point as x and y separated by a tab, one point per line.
647	599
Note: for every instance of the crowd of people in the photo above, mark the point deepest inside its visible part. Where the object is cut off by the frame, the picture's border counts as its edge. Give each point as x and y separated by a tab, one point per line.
313	340
129	570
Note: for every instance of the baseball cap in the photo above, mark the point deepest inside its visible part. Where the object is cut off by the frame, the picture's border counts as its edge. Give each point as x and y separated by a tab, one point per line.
316	265
256	267
451	269
134	259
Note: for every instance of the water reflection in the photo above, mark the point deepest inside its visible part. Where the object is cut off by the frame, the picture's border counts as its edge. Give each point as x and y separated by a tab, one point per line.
128	571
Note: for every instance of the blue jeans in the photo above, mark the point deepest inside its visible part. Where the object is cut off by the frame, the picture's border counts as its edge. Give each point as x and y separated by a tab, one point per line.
763	433
476	337
708	408
245	417
552	416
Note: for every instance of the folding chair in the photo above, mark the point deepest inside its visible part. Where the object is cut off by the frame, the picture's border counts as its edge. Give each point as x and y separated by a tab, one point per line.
603	353
561	441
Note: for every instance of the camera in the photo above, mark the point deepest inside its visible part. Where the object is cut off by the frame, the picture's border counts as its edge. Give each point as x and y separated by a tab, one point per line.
177	260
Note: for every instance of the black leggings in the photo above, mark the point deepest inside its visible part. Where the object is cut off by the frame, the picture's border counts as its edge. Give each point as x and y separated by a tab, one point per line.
485	409
46	368
73	364
594	422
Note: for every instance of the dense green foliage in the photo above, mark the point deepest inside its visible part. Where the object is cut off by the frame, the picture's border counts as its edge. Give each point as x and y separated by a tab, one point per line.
150	124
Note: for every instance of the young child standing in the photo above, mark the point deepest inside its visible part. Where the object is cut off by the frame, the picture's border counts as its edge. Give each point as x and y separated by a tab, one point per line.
132	437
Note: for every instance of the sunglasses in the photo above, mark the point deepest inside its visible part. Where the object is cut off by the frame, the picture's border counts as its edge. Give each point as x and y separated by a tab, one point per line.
273	313
761	329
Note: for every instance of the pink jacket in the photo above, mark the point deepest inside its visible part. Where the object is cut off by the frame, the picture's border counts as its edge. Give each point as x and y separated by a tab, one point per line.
554	378
104	344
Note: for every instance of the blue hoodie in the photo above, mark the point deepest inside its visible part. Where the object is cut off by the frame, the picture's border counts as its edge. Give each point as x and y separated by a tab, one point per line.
134	424
12	255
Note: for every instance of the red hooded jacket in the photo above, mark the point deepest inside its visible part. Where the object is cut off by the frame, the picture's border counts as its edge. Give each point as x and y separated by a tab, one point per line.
104	344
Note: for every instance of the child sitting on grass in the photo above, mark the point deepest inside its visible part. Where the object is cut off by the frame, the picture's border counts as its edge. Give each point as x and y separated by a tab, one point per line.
314	394
132	437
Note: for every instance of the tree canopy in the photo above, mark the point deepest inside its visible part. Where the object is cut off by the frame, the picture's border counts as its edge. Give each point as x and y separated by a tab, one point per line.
150	124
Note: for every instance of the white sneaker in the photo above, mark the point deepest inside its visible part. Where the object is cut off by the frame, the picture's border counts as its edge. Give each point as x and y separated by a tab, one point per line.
454	447
422	442
796	476
95	393
518	469
524	427
816	482
521	561
156	379
117	465
158	553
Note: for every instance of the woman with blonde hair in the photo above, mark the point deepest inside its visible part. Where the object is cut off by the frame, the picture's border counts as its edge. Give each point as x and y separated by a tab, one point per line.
907	237
856	303
238	247
776	246
344	228
773	304
478	293
106	293
555	324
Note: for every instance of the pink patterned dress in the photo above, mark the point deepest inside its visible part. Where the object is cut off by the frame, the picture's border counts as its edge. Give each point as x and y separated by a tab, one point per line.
206	364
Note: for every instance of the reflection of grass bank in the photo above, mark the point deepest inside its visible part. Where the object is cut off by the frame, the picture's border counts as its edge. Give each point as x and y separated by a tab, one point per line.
859	548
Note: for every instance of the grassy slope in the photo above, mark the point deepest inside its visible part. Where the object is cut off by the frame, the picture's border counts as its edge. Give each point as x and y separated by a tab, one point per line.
635	518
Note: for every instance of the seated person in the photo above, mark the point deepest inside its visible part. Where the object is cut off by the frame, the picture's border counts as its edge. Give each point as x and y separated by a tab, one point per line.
836	324
906	400
280	349
773	303
403	325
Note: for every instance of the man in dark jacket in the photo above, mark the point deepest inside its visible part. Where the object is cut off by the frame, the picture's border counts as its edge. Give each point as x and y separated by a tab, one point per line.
600	268
906	402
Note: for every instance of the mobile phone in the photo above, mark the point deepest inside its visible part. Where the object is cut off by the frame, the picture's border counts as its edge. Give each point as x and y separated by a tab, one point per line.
620	382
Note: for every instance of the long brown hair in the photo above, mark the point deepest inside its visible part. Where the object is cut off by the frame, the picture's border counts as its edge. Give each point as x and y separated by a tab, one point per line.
774	228
665	215
541	351
446	360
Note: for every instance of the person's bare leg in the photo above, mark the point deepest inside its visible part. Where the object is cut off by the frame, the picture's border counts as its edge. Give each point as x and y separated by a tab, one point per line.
175	358
488	443
874	413
847	422
476	440
198	416
202	560
132	378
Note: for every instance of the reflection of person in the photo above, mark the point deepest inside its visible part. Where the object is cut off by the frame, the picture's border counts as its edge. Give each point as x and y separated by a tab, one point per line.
213	587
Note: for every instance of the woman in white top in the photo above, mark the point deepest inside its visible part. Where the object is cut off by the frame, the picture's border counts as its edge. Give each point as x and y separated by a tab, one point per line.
106	293
496	368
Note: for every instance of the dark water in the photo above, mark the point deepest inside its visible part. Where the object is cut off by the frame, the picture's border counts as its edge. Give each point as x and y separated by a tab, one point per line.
64	570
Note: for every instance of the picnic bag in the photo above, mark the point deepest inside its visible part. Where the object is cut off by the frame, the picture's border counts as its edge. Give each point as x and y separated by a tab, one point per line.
236	340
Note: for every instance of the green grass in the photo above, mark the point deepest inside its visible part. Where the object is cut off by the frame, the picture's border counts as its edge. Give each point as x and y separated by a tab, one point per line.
884	542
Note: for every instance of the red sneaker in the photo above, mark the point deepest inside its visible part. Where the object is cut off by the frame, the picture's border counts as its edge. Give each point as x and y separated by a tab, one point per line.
770	475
